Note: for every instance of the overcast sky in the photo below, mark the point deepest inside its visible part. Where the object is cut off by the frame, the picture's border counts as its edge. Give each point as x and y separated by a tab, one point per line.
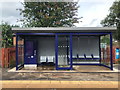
92	11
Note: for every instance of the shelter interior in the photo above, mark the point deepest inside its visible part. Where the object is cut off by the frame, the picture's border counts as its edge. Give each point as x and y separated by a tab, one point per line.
62	51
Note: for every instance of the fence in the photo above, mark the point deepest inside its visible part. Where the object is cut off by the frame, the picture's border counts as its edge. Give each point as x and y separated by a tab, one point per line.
8	57
0	57
106	54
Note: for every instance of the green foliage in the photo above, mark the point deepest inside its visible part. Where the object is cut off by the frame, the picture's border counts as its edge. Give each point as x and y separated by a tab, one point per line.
7	34
113	19
49	14
7	37
105	39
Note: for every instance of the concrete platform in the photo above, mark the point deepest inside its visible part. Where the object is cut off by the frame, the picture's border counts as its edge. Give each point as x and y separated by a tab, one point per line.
77	68
59	84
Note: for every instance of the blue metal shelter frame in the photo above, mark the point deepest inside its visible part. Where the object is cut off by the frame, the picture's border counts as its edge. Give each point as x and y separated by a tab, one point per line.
56	47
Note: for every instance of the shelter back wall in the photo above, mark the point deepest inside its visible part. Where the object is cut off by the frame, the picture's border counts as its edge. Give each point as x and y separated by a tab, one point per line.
46	49
83	45
86	45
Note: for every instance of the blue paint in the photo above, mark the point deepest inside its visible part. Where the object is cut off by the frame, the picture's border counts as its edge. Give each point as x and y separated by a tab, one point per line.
102	33
24	48
99	50
56	48
67	51
56	51
111	61
63	68
86	33
70	44
35	33
18	66
85	64
16	52
21	66
71	63
86	58
105	66
30	56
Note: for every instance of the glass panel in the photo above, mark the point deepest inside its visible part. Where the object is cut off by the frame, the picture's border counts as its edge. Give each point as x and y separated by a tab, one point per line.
63	51
20	50
105	50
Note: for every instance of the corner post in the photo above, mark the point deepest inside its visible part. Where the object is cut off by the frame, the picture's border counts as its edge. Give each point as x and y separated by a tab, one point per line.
111	61
56	51
16	51
99	50
71	52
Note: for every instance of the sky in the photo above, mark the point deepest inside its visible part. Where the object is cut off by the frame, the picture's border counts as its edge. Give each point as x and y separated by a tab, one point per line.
92	11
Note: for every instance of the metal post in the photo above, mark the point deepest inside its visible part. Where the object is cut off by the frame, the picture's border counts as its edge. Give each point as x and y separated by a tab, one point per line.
71	51
99	50
24	49
111	61
56	51
67	50
16	51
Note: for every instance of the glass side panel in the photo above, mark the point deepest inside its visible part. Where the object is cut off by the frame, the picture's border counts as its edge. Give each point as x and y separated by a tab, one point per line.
20	50
105	50
63	51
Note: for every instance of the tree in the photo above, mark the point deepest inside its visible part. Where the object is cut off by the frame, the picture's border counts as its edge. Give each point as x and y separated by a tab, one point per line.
113	19
7	35
105	39
49	14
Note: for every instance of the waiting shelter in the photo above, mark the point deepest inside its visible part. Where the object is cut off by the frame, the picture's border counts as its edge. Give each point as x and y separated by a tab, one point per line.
63	47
